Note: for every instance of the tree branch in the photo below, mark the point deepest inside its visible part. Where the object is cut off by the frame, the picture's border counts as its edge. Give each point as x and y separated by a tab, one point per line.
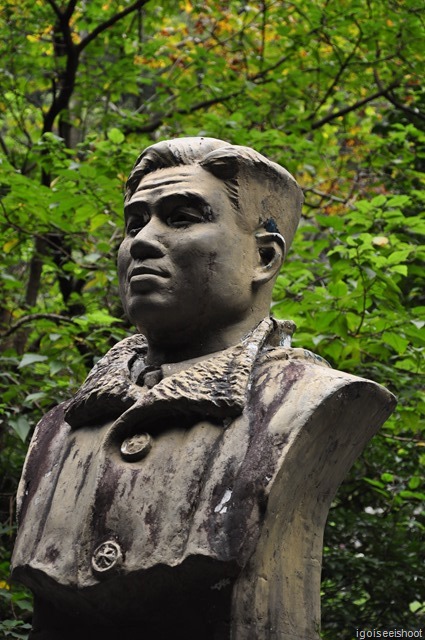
391	98
157	122
61	101
324	195
73	51
70	9
55	9
410	112
264	72
108	23
36	266
4	147
401	439
263	31
56	317
353	107
151	126
337	77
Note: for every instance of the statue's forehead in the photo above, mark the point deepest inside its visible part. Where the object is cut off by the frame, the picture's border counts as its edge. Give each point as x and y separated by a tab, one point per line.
186	176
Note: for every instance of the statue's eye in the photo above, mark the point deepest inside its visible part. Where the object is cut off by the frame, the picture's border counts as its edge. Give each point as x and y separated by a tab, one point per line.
136	224
134	231
184	216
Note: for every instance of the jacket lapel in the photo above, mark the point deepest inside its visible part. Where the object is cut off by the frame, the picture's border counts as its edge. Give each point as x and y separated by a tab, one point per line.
216	387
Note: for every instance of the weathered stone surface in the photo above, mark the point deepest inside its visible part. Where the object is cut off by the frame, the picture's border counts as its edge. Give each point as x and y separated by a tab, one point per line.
187	483
243	502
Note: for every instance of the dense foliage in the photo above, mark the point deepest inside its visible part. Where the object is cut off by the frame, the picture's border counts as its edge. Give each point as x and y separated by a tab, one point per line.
329	89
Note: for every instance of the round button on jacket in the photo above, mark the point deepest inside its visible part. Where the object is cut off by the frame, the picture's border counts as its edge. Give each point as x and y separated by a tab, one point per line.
136	447
106	557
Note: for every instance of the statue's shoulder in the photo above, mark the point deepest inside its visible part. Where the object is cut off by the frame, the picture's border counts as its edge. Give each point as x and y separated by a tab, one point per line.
108	389
109	376
299	381
116	361
275	357
281	364
280	361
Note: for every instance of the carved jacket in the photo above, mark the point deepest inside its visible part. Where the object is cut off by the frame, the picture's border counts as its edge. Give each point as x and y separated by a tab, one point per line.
243	452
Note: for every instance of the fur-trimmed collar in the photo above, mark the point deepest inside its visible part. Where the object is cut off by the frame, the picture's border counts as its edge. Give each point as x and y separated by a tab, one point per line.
215	387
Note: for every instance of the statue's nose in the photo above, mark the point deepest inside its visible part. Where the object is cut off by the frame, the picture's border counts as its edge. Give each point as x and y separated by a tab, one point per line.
147	243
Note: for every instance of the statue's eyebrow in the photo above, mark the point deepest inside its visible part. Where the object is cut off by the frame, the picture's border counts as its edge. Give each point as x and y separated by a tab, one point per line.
135	208
181	198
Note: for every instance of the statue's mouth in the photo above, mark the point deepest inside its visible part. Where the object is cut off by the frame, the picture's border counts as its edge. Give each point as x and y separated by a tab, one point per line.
147	270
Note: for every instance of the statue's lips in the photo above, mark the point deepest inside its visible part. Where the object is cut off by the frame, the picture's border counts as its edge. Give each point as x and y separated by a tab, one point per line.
139	277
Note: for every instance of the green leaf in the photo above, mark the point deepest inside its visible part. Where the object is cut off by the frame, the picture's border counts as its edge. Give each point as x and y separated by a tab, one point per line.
416	606
55	366
396	341
378	201
116	136
338	289
34	397
412	494
398	256
31	358
21	426
398	201
375	483
400	268
415	482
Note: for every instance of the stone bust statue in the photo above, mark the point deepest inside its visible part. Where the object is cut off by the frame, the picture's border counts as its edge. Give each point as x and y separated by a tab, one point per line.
183	491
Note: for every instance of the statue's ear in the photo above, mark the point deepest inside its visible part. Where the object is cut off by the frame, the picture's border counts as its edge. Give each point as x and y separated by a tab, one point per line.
271	254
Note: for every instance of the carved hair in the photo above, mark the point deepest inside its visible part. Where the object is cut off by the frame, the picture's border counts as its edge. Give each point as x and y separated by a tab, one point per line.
262	192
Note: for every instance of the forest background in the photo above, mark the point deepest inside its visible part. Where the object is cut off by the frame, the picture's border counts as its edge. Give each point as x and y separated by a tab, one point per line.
331	90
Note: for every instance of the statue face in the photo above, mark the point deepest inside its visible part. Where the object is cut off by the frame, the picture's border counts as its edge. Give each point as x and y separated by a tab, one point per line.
185	261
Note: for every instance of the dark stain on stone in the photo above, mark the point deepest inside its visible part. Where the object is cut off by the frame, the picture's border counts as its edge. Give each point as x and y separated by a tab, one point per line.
153	522
262	499
39	461
249	497
261	413
105	497
220	535
134	475
86	467
47	506
52	553
197	483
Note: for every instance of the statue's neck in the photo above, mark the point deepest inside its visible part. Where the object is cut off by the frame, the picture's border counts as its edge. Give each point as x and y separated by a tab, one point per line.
172	349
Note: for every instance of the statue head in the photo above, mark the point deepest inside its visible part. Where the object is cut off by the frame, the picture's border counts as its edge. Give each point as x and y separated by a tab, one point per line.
207	228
